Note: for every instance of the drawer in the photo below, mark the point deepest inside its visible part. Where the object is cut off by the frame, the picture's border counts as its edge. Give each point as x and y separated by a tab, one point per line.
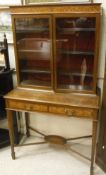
66	111
16	105
73	111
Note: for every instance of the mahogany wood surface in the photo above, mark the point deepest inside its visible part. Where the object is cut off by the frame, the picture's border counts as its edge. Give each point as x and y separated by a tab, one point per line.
63	102
69	104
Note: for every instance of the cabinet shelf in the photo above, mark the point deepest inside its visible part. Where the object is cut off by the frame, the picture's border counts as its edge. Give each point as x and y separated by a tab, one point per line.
61	51
76	29
74	87
34	30
35	82
75	74
33	50
35	71
77	52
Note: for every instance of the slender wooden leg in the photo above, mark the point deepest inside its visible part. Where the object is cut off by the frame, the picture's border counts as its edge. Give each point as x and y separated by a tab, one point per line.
11	131
94	133
27	124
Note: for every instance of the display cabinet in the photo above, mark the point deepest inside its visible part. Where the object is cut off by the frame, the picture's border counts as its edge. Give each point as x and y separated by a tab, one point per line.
56	51
57	46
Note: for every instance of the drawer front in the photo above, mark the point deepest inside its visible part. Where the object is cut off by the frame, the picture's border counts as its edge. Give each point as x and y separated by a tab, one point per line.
27	106
73	111
66	111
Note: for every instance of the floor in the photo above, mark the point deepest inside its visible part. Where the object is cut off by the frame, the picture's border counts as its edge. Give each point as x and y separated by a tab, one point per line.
47	159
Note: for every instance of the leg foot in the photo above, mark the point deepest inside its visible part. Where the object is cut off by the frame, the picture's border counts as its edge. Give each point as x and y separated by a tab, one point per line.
93	152
27	124
91	170
13	155
11	131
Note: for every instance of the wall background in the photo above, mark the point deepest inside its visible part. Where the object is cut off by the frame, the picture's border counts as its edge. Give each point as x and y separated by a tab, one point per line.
53	124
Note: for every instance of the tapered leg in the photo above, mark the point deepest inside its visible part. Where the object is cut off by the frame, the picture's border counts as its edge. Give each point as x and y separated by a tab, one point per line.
94	134
27	123
11	131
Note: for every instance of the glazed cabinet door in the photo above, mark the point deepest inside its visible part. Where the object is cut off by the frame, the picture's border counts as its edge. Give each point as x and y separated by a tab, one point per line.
33	48
76	50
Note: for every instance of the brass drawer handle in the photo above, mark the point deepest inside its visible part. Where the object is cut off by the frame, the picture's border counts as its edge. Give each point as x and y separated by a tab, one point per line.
69	112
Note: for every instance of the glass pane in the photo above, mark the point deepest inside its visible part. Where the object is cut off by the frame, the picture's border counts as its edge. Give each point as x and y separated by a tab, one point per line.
33	49
75	45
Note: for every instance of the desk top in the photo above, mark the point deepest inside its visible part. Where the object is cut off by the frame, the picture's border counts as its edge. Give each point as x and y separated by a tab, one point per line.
50	97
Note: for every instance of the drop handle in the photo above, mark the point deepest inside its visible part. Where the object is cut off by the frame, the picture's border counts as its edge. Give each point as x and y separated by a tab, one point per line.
69	112
103	147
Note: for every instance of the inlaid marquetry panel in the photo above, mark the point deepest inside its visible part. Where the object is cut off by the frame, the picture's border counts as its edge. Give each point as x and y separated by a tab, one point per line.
19	105
49	9
66	111
73	111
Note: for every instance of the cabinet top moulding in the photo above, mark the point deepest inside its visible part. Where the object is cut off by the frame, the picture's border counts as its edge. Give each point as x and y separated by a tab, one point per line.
56	8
